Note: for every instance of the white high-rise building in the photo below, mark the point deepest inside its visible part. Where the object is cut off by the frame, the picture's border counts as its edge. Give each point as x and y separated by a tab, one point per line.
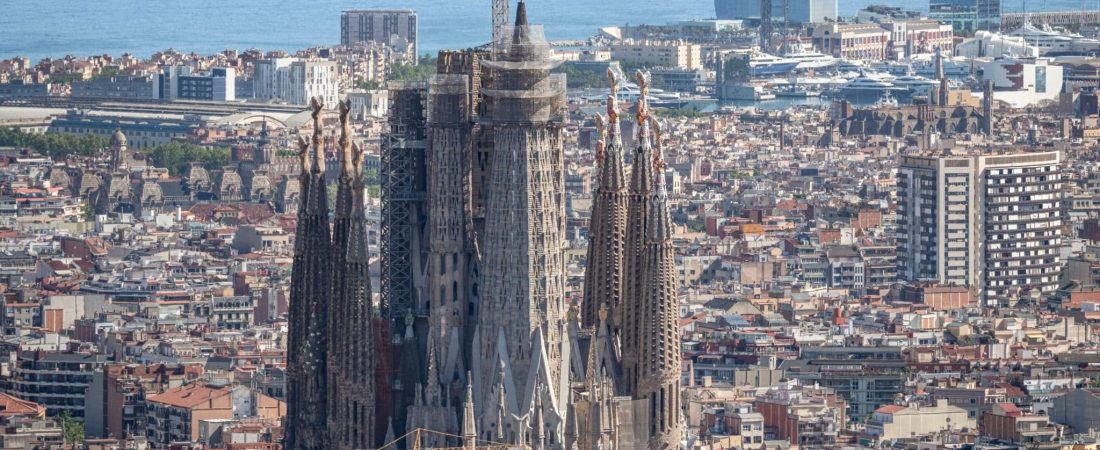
295	81
991	222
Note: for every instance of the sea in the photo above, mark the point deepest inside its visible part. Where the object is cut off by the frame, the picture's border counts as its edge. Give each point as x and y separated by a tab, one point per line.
54	28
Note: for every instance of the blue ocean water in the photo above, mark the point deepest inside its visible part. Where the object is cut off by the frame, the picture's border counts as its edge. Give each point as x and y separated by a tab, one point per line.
41	28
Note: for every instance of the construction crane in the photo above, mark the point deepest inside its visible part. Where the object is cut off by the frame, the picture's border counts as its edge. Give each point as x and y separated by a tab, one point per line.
765	25
500	21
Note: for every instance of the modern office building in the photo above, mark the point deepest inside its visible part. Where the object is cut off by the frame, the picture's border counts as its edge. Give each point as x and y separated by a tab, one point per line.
396	28
119	87
967	16
801	11
990	222
295	81
180	83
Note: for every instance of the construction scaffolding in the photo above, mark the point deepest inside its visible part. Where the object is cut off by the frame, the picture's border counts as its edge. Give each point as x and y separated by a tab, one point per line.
402	180
523	89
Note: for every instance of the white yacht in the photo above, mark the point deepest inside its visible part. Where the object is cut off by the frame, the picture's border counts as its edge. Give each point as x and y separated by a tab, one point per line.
809	59
762	64
925	67
914	84
870	83
629	92
1056	42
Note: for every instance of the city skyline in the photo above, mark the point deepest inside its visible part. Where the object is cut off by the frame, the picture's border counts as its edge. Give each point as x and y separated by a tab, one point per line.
877	232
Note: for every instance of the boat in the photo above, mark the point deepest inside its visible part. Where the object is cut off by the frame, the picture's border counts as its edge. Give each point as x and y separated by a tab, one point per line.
1056	42
914	84
763	64
886	101
809	59
869	83
629	92
952	68
796	91
846	66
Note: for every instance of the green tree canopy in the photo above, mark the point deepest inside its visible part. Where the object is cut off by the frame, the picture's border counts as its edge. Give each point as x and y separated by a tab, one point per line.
56	146
177	156
408	72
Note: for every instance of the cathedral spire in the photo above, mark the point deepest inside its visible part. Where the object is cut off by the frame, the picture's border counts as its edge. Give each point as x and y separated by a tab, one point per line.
318	165
634	263
603	281
307	354
660	365
469	422
538	427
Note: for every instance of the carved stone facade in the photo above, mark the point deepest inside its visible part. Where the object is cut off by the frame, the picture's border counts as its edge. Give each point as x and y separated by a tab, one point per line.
473	339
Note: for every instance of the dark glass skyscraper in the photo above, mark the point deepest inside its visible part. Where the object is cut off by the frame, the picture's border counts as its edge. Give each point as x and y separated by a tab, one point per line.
967	15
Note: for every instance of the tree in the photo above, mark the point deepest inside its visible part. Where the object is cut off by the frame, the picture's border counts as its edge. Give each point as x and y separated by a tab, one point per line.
407	72
369	85
89	211
72	428
55	145
177	156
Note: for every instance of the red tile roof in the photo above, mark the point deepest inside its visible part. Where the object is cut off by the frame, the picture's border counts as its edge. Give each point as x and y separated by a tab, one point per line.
189	396
13	406
889	409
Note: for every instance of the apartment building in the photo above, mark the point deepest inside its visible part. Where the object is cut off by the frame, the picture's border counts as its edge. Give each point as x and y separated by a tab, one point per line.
56	380
804	415
295	81
866	377
396	28
990	221
1006	422
669	54
903	421
115	401
175	414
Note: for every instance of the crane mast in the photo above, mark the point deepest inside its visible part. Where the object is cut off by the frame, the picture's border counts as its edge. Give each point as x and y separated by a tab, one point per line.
500	21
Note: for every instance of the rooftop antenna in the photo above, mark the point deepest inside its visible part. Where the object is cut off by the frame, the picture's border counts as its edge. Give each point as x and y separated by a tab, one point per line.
500	21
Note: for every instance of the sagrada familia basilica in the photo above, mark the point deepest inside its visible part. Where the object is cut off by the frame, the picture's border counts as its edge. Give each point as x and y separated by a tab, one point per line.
472	343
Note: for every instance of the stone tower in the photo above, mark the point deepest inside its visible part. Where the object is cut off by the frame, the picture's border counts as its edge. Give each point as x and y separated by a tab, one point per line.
633	402
307	359
451	258
521	326
603	281
351	394
640	193
659	379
